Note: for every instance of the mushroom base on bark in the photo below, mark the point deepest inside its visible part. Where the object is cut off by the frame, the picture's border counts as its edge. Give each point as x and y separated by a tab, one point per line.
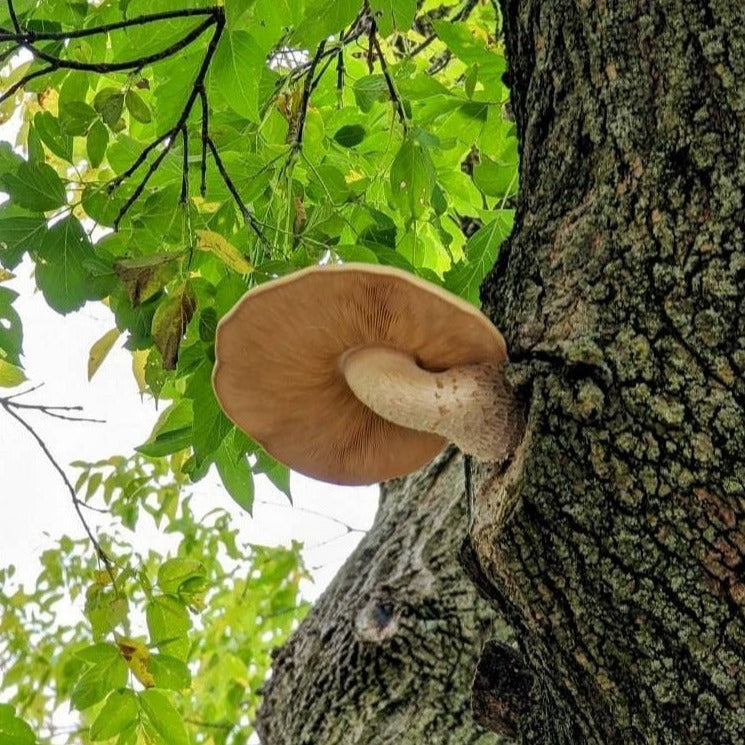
473	406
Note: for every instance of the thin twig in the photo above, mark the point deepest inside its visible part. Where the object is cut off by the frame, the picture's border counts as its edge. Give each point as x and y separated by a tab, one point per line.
33	36
133	64
169	136
205	136
397	102
247	214
184	198
9	406
305	100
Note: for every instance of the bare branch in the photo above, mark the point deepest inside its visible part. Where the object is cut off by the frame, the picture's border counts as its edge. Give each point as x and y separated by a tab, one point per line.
10	406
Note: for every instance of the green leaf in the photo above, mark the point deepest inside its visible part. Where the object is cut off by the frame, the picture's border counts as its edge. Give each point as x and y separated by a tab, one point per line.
472	49
496	179
137	107
11	329
169	672
96	143
466	276
393	15
173	573
96	653
13	730
98	681
60	273
163	717
324	19
236	67
368	90
170	321
75	117
350	135
10	375
235	472
412	179
36	186
211	426
168	621
109	103
172	431
18	234
48	128
119	712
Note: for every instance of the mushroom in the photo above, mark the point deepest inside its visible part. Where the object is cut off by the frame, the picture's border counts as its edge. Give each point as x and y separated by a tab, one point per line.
356	373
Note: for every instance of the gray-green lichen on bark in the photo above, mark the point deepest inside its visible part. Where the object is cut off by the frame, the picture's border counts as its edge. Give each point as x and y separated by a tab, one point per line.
614	541
388	652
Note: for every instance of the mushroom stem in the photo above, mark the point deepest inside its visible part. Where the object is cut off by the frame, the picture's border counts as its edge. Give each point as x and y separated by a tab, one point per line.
472	405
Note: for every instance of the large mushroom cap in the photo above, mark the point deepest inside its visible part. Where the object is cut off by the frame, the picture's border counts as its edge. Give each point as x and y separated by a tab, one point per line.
277	374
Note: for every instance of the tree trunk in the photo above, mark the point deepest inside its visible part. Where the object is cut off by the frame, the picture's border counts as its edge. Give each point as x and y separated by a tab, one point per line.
388	652
614	540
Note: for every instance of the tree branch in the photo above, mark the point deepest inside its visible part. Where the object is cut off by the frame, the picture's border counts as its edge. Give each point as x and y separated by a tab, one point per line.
397	102
10	406
33	36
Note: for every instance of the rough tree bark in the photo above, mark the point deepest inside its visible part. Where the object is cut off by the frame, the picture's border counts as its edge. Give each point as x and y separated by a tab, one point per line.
388	652
613	542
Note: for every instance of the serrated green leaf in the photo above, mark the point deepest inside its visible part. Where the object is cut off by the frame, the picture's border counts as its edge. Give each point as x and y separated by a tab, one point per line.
118	713
61	274
18	234
36	186
163	717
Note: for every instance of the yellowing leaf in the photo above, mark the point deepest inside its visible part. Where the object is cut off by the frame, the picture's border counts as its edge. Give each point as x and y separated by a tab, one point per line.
224	250
145	276
169	324
139	361
99	351
5	275
10	375
137	656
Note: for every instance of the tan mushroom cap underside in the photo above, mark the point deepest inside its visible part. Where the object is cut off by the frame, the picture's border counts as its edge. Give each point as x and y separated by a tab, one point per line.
277	372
